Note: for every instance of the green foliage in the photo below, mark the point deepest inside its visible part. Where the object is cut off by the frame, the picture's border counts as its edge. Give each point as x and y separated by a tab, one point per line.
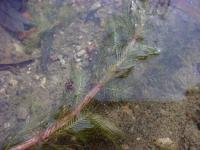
80	79
119	52
84	129
117	57
121	48
108	129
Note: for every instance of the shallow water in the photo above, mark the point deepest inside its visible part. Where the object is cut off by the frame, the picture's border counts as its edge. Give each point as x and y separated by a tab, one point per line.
167	76
78	52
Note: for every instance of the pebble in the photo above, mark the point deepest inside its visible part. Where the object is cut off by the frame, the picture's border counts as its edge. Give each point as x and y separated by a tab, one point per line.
18	47
28	72
90	59
62	61
62	32
43	82
2	91
196	88
132	129
80	37
6	125
95	5
36	77
165	143
13	82
81	53
78	60
138	138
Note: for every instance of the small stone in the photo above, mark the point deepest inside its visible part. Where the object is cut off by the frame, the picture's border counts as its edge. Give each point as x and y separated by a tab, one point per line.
78	60
89	43
62	61
13	82
43	82
28	72
165	143
81	53
2	91
126	109
62	32
80	37
36	77
18	47
131	129
95	5
196	88
137	106
138	138
6	125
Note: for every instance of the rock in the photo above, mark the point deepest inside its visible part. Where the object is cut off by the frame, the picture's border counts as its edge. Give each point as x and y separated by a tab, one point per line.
18	47
6	125
13	82
96	5
78	60
81	53
62	32
126	109
61	60
43	82
165	143
28	72
138	138
36	77
3	91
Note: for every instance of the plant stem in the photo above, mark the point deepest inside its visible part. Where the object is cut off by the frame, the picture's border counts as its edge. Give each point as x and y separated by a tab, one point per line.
44	135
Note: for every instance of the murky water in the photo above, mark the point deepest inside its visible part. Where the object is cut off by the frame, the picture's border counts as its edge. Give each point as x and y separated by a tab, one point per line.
79	43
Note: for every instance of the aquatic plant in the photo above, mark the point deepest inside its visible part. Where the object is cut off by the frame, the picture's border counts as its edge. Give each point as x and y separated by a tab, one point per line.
84	129
126	49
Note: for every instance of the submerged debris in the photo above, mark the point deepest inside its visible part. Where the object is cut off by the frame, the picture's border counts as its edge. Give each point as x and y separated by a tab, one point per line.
14	66
46	48
14	16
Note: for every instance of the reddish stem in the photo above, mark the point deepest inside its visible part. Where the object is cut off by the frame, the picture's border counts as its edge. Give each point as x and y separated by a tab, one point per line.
61	123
